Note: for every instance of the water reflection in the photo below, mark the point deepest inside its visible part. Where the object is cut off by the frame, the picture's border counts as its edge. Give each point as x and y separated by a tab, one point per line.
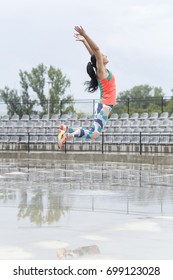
69	210
36	210
45	192
67	253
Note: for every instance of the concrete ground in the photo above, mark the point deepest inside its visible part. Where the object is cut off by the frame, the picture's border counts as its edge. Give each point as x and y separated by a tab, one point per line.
67	209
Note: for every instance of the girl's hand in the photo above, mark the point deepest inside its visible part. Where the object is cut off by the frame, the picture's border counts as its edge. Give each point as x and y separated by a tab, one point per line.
79	37
80	30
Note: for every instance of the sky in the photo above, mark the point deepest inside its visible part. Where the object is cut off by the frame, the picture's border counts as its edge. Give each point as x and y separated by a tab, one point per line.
136	35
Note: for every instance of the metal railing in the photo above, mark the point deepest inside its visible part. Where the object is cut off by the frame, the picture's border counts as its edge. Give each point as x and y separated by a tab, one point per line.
128	105
109	142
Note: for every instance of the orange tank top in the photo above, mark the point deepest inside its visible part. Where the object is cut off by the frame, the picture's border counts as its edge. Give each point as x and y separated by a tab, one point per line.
107	90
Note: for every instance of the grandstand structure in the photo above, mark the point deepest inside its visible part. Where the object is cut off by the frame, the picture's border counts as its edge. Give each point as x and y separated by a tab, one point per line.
123	133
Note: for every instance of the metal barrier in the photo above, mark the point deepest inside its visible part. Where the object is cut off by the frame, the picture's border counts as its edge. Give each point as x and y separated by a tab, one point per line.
109	142
128	105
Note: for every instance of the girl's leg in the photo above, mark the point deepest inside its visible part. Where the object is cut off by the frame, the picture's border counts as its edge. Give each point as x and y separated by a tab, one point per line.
100	120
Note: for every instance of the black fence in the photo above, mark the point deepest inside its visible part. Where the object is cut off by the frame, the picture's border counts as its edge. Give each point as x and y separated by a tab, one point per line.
139	143
128	105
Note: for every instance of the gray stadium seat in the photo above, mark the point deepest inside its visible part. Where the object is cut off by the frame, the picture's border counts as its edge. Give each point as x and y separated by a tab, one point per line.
35	118
25	118
77	124
154	139
83	117
22	131
164	116
9	124
56	124
108	135
54	117
165	123
73	117
155	123
4	139
154	116
50	139
67	123
5	118
135	138
134	116
20	124
117	139
145	138
41	131
1	124
29	124
38	124
3	131
135	123
164	140
12	131
41	139
143	116
13	139
48	124
146	130
124	116
137	130
145	123
51	132
113	117
86	124
126	123
108	124
171	116
33	139
23	139
33	131
45	118
117	123
15	118
167	130
64	117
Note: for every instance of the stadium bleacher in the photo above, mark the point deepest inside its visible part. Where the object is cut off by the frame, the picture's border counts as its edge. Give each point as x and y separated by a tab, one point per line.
124	129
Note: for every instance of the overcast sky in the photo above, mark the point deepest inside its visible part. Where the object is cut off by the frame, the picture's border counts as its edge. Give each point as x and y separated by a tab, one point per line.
136	35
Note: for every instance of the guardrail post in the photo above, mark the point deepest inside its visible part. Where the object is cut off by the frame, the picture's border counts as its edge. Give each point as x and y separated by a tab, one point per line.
140	143
102	142
28	142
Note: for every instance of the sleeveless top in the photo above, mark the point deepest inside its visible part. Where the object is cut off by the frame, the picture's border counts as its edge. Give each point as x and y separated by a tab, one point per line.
107	90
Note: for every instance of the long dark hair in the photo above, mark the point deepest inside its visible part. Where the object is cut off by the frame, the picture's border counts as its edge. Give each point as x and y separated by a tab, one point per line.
92	85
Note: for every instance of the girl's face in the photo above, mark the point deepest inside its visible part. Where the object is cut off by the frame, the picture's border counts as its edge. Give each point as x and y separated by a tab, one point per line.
105	59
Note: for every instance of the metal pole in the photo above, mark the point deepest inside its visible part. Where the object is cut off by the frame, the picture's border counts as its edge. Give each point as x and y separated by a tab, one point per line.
102	142
128	105
140	143
28	142
162	104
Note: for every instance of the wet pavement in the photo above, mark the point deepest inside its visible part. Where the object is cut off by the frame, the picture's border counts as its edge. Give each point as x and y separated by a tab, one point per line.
68	210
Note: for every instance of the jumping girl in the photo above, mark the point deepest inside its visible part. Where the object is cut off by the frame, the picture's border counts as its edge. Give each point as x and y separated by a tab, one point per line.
101	78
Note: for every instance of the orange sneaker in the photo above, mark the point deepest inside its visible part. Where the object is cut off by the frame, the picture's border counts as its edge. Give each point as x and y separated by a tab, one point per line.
61	135
61	142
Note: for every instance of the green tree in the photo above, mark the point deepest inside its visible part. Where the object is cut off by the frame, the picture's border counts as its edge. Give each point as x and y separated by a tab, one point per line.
12	101
59	83
142	98
37	82
27	103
